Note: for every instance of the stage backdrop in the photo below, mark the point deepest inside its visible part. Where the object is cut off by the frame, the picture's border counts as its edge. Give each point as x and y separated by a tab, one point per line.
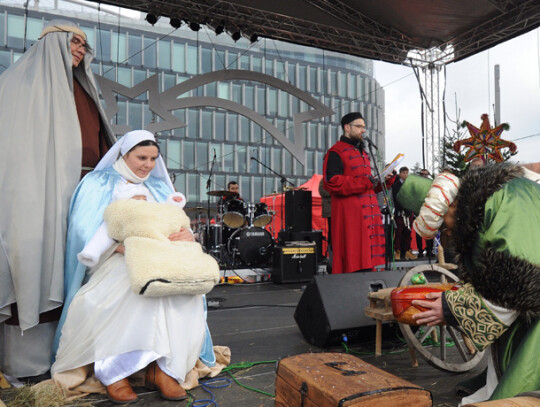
276	203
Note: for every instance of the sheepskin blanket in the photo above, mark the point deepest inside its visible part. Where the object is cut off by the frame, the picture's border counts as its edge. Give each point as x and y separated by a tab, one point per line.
156	266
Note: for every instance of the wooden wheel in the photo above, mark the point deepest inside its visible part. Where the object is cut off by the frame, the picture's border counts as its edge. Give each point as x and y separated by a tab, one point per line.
460	357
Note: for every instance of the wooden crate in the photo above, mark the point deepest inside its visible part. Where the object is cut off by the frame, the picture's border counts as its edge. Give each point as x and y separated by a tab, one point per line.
338	379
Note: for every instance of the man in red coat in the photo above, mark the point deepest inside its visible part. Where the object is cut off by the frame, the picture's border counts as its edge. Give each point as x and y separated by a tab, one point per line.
357	227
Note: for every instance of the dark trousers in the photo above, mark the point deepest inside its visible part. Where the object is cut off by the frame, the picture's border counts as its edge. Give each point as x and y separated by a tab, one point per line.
402	235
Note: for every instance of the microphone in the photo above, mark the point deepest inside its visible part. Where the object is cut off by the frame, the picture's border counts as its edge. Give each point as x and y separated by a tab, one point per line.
214	153
253	158
371	143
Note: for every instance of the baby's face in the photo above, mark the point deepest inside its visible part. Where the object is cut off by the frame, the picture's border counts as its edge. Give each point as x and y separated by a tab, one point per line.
139	197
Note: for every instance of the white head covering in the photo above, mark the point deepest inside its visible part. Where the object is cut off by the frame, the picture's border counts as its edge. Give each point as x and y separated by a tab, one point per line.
125	144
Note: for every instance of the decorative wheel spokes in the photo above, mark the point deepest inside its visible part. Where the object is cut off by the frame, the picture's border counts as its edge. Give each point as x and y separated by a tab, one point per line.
443	347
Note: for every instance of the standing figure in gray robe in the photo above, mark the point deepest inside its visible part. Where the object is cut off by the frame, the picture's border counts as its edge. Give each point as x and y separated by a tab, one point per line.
51	128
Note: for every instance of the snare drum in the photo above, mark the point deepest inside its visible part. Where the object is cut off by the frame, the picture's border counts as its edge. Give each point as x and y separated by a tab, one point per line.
253	245
235	213
261	217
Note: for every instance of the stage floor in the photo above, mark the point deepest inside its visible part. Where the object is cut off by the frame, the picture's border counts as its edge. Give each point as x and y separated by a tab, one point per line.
256	322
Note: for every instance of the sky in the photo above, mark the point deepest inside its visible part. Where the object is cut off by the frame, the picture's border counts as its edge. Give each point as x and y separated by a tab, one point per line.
470	82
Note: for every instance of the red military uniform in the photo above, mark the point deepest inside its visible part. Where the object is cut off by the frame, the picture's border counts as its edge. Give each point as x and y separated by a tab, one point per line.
357	229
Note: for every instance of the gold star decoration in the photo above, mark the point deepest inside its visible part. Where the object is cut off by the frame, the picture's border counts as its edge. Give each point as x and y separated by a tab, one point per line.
485	142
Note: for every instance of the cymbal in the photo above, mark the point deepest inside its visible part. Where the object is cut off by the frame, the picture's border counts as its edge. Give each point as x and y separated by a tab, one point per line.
227	194
201	209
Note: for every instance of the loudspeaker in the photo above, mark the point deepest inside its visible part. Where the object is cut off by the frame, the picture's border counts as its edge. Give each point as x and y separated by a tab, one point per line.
298	210
310	236
294	263
332	306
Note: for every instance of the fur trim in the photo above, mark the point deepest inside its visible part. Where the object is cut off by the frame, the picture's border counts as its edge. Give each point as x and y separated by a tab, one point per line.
156	220
158	269
476	187
507	281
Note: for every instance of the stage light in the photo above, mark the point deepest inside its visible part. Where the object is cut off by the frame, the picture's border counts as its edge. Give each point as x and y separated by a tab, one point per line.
236	36
254	38
194	26
219	29
152	17
175	22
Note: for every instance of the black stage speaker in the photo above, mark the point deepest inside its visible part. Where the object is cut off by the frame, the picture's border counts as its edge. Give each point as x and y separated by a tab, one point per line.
298	210
294	263
310	236
333	305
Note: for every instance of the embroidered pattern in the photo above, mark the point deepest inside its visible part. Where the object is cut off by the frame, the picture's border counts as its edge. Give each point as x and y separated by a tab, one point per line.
474	317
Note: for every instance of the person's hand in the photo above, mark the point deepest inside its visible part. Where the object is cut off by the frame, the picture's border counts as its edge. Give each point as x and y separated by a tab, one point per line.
434	315
388	177
182	235
120	249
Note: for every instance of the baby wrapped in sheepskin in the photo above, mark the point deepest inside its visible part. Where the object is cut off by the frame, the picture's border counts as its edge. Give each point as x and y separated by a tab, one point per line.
157	266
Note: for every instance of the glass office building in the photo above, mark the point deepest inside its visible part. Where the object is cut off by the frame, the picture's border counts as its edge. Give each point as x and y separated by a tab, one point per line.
128	50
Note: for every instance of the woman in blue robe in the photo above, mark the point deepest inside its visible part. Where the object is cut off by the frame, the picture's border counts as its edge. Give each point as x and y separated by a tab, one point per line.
104	323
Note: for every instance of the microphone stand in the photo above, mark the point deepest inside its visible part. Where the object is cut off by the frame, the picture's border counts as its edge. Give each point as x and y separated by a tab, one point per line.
283	180
208	183
384	190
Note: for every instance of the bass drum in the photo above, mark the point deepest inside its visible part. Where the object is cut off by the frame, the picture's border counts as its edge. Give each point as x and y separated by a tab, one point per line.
253	245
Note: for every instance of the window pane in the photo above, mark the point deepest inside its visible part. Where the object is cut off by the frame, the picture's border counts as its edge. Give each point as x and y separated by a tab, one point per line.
169	80
15	31
237	93
118	48
223	90
103	45
220	125
135	115
178	62
302	77
192	60
202	156
244	62
219	60
164	51
193	123
188	155
249	94
149	52
283	103
124	76
173	154
257	64
228	159
261	101
313	80
206	60
135	50
245	130
33	29
232	127
207	125
241	153
269	67
2	28
5	60
272	102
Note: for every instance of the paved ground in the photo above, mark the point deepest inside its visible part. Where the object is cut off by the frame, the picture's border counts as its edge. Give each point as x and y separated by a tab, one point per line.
256	322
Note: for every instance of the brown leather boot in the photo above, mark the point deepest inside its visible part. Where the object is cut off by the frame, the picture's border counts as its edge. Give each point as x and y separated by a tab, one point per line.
120	392
169	388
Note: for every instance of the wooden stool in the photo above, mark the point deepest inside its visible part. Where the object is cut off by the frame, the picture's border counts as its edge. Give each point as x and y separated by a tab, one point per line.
380	309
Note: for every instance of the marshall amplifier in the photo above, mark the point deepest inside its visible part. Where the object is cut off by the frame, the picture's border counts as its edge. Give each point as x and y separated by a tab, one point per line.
294	262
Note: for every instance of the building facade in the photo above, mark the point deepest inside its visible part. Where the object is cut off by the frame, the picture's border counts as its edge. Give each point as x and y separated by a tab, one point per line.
128	50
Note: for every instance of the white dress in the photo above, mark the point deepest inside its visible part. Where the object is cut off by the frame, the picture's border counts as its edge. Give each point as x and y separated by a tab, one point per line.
107	320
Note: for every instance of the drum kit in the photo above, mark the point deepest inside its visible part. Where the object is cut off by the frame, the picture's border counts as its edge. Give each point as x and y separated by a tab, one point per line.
235	233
